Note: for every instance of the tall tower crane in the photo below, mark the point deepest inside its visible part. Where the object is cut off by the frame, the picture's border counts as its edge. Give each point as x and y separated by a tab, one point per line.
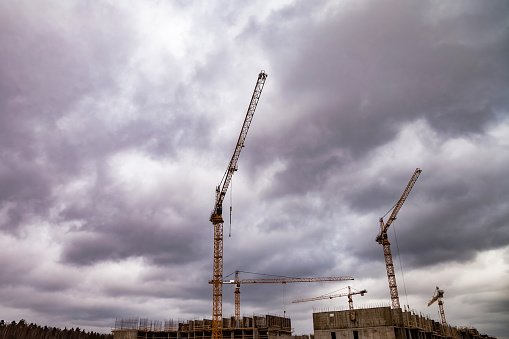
216	217
382	239
330	296
438	296
238	282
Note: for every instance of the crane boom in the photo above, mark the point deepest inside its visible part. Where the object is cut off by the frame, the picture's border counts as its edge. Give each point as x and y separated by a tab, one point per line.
322	297
435	298
237	282
290	280
331	296
216	216
406	192
232	166
382	239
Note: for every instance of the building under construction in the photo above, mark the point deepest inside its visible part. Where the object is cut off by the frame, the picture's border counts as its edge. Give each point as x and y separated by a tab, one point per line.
255	327
384	323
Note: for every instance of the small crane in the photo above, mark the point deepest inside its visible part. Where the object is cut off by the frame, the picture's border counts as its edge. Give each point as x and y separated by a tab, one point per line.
438	295
330	296
216	217
382	240
237	282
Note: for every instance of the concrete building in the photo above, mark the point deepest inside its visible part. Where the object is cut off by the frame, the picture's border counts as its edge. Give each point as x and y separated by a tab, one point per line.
384	323
365	323
256	327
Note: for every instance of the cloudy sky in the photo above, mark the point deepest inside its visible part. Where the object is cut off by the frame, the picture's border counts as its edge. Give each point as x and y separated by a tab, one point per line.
119	118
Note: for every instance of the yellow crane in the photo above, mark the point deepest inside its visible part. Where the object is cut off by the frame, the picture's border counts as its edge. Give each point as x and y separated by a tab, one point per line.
237	282
438	295
382	239
216	217
330	296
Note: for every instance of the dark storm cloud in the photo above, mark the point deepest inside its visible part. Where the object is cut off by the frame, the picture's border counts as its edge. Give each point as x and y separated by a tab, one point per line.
355	88
24	193
133	238
75	311
113	228
473	220
42	78
384	67
109	137
444	219
50	74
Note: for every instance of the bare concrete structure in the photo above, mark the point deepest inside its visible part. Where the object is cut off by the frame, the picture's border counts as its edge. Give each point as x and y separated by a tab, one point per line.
384	323
365	323
256	327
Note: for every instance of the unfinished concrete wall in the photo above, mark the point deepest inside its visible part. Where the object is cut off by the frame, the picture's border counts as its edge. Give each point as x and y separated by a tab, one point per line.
247	322
273	321
260	321
370	317
125	334
364	333
383	322
374	323
279	335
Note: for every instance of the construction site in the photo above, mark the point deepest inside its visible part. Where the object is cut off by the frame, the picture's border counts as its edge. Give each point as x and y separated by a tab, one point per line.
256	327
386	322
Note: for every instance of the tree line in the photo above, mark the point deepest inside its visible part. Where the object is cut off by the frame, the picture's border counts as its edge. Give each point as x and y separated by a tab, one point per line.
22	330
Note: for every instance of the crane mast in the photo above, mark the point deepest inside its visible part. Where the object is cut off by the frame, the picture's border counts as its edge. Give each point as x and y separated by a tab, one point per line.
216	216
238	282
382	239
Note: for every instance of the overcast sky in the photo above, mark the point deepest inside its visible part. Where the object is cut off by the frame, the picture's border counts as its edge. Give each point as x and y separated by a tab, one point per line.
119	118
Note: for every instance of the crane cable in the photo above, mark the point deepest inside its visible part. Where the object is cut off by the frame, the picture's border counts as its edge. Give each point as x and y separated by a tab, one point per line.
284	300
400	264
390	210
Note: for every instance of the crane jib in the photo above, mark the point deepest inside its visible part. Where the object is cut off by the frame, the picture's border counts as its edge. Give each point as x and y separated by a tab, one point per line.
406	192
223	186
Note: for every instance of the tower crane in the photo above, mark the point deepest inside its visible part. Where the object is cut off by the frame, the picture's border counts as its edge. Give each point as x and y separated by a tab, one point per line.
438	296
216	217
330	296
382	239
237	282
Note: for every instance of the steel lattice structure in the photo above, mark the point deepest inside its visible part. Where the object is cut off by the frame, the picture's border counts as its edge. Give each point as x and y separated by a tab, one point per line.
216	216
238	282
439	294
382	239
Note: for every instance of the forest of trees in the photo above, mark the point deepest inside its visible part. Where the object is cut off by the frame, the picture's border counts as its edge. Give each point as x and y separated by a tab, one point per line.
22	330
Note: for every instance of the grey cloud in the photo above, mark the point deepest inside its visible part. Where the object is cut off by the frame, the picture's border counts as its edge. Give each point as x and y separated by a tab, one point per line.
364	81
133	237
44	78
343	84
